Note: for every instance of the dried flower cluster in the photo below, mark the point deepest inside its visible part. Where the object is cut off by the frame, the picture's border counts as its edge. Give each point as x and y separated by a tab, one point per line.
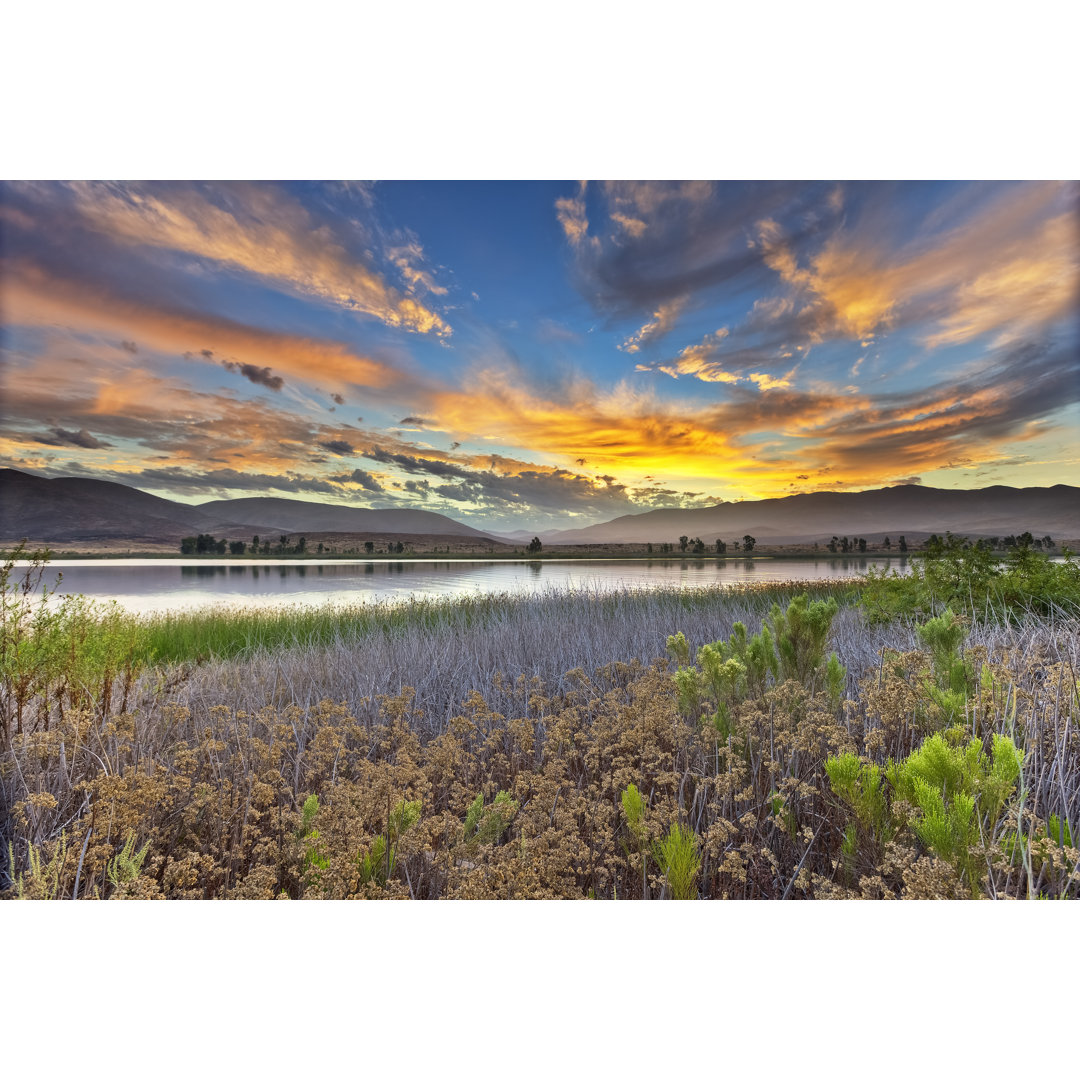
947	772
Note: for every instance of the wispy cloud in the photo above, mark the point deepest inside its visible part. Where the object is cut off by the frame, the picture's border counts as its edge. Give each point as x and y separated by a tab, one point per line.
253	229
572	216
662	322
35	297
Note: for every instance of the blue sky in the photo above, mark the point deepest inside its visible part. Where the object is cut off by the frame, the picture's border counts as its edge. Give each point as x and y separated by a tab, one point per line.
538	355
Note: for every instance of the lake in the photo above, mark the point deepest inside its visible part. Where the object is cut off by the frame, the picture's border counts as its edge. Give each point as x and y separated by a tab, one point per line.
145	585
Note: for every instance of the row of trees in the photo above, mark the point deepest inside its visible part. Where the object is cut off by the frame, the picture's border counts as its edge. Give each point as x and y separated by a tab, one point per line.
205	544
858	543
989	543
391	548
1008	543
697	545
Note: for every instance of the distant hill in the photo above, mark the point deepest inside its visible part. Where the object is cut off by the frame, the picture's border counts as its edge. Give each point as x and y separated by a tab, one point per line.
297	515
74	508
78	509
909	509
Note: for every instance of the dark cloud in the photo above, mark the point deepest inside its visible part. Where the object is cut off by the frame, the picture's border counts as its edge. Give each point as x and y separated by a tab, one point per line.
338	399
129	346
337	446
659	498
693	239
455	492
417	465
366	480
213	482
418	487
261	376
416	421
60	437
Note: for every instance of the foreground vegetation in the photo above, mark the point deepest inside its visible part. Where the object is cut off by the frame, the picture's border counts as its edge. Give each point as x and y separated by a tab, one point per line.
916	737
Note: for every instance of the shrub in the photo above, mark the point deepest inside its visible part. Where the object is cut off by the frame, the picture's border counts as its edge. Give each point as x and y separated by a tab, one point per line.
378	863
954	573
487	825
60	652
790	645
678	857
958	795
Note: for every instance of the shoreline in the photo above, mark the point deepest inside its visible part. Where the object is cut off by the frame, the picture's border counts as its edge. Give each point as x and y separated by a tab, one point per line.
427	556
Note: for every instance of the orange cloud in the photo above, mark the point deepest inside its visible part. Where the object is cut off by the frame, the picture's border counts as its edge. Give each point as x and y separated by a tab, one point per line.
1032	285
663	320
1010	269
704	361
32	297
572	217
271	237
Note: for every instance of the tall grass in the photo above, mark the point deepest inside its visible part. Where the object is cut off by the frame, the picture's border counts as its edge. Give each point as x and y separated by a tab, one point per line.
258	752
227	632
446	650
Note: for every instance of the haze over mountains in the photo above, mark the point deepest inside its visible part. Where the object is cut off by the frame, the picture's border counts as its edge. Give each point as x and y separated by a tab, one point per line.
909	509
297	515
73	509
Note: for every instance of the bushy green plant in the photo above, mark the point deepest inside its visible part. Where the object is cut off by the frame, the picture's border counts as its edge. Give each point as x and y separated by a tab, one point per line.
790	645
678	857
860	784
633	804
376	865
955	573
486	825
954	676
958	794
802	631
125	867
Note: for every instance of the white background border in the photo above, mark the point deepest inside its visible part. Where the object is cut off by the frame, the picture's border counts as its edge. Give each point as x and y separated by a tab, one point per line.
494	90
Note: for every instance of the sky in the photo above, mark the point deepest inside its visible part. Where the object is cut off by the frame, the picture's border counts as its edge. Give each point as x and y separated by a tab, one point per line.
540	355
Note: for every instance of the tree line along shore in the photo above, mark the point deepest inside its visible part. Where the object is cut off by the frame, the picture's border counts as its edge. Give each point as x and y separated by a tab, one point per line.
321	546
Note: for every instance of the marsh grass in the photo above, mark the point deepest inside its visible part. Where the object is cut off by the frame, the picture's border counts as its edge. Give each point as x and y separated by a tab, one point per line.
534	746
226	632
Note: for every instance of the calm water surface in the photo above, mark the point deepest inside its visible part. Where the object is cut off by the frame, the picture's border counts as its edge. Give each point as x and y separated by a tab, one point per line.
145	585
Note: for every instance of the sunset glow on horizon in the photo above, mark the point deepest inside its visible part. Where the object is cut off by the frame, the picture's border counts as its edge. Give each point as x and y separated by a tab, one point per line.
540	355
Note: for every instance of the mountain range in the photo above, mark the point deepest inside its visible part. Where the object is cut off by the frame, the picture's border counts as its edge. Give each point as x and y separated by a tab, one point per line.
906	509
74	509
78	509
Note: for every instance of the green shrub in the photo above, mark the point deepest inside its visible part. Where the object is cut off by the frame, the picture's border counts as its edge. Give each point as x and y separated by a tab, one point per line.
954	677
954	573
958	795
860	785
125	867
375	865
678	857
802	631
60	652
486	825
790	645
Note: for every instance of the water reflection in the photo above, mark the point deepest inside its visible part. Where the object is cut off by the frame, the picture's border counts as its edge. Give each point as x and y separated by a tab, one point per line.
160	584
